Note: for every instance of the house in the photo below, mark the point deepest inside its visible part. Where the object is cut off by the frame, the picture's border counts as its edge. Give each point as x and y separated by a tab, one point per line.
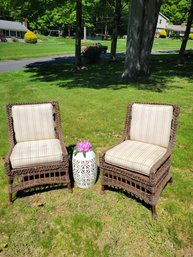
12	29
161	23
172	30
176	30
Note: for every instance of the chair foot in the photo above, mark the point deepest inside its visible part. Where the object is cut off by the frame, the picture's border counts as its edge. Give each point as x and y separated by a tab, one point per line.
69	188
154	213
102	190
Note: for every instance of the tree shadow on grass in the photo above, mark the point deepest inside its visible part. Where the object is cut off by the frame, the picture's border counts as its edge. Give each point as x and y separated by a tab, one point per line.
107	74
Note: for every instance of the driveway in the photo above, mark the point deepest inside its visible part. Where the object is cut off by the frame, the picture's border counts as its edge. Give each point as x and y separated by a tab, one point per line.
12	65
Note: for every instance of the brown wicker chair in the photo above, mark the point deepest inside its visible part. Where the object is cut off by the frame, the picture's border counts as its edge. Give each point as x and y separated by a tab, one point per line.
37	154
140	162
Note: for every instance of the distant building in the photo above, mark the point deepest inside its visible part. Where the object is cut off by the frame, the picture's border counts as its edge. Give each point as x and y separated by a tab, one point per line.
161	22
172	30
177	30
12	29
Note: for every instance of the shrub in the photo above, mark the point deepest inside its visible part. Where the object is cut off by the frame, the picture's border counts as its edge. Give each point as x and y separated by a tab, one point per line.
163	33
30	37
92	54
191	36
14	39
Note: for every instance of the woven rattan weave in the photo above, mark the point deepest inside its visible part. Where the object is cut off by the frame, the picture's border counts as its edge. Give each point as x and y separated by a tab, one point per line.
41	174
146	188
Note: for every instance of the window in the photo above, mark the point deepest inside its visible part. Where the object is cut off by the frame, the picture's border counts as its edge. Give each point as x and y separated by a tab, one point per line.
18	34
160	21
13	33
7	33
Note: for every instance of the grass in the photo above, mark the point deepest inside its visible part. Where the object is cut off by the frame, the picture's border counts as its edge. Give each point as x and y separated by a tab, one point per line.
93	105
60	46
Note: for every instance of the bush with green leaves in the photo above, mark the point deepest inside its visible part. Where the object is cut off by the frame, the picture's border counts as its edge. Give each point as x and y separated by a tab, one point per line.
30	37
163	34
92	54
191	36
14	39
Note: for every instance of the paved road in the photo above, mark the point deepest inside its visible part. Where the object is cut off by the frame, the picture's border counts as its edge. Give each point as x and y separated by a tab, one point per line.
12	65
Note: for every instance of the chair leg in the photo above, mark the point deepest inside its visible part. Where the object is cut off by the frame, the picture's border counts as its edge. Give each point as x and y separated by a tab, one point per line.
102	189
69	188
171	181
10	182
154	213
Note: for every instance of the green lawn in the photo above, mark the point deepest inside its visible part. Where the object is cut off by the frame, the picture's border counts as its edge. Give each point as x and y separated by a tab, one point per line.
84	223
60	46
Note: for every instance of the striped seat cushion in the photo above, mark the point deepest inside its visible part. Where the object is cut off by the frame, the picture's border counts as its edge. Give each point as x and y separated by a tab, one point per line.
135	156
33	122
37	152
151	123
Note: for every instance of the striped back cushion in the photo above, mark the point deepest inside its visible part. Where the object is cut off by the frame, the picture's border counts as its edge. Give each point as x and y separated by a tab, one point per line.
33	122
151	123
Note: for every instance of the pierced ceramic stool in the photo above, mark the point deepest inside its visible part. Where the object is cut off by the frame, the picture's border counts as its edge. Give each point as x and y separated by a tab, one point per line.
84	169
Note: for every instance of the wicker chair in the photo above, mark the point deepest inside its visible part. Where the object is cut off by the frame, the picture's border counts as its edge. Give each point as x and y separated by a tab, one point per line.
140	162
37	154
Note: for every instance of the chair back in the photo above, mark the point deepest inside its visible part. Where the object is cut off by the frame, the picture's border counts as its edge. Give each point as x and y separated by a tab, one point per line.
151	123
33	122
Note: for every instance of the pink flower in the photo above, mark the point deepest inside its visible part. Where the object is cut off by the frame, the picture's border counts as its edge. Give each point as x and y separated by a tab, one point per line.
84	146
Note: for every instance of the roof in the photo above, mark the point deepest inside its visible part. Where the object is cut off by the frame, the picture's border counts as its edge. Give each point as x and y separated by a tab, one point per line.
12	25
177	28
163	16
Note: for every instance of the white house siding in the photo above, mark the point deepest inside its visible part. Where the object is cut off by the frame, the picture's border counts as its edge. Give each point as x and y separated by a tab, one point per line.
161	22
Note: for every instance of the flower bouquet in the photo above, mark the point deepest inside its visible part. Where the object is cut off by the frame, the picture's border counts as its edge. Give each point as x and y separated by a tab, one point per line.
83	147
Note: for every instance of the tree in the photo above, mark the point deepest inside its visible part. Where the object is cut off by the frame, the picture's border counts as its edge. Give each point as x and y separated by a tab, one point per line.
176	10
142	21
116	23
186	35
78	62
59	16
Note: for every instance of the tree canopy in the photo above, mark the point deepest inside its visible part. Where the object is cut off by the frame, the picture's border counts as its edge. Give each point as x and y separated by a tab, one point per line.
176	10
96	14
43	14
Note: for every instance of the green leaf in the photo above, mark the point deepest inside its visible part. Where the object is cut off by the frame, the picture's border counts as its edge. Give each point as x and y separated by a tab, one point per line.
84	153
75	151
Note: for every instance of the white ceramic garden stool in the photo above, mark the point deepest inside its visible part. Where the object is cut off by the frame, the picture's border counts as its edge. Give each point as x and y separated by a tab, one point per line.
84	169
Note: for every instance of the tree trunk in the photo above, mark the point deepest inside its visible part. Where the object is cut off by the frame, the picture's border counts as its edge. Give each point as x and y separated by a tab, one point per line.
84	32
105	37
186	35
142	21
69	30
78	59
116	22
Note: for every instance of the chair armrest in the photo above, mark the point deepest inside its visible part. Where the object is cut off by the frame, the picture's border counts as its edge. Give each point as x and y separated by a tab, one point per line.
64	150
158	164
7	163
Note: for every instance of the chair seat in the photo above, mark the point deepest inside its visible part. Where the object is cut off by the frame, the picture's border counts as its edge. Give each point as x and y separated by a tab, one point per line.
134	155
37	152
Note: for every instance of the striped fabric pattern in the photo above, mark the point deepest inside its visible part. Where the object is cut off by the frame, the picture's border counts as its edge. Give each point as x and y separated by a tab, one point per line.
29	153
33	122
151	123
135	156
